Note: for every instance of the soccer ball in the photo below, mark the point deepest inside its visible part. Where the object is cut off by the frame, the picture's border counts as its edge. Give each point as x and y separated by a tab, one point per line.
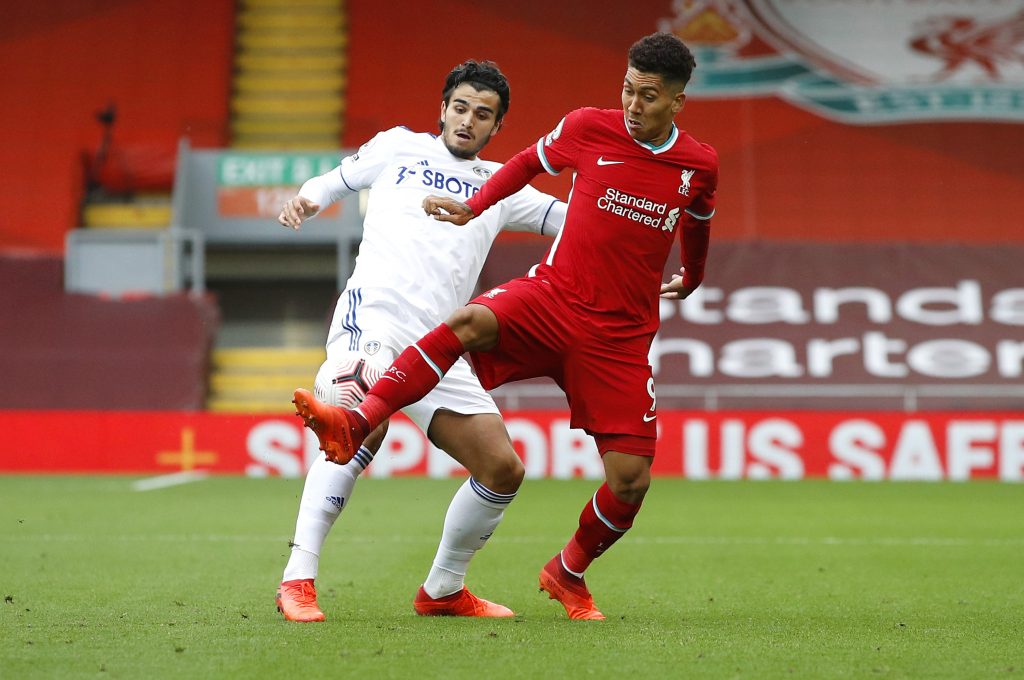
345	382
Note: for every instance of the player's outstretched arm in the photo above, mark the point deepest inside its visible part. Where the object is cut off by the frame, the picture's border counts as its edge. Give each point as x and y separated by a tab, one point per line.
447	209
296	210
679	287
316	194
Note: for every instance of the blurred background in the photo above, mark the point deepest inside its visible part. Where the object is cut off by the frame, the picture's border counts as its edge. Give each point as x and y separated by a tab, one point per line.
862	313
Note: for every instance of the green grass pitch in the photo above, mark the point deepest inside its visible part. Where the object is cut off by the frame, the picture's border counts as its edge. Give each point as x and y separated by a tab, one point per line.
731	579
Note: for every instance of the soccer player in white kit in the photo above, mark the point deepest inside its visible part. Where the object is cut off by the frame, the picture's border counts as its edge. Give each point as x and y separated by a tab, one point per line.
411	273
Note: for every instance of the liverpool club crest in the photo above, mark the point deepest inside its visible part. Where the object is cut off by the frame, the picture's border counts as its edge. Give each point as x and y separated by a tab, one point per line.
864	62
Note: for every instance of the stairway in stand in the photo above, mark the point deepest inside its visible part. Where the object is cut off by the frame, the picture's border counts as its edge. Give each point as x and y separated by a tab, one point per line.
289	75
261	379
287	95
142	211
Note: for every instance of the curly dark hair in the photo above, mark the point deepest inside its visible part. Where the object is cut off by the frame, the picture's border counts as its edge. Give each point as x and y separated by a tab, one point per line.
665	55
482	75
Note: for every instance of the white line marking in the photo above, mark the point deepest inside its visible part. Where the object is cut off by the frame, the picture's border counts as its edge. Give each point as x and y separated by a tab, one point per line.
164	481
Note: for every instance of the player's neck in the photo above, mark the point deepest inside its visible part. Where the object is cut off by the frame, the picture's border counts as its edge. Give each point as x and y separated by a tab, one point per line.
661	138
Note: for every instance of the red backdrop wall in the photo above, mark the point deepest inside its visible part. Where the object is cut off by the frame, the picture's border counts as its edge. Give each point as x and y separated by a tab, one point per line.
166	65
786	173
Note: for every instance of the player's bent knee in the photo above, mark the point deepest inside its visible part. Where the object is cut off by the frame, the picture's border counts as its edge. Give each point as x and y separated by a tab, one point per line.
630	491
500	471
511	471
476	326
481	444
628	476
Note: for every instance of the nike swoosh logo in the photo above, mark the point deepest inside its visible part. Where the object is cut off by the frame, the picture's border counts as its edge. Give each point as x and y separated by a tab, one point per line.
602	161
648	418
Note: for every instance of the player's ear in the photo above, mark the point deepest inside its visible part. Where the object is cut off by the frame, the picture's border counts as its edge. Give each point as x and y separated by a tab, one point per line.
497	127
678	102
444	108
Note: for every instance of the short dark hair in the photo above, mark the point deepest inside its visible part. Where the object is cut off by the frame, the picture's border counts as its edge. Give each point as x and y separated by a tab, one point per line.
482	75
663	54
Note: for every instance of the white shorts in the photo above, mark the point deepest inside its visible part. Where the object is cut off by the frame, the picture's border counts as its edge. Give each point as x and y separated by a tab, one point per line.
458	391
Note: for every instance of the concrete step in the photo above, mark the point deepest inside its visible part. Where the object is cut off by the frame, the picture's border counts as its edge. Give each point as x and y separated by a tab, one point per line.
288	19
267	406
302	41
293	5
264	82
316	105
261	379
283	143
267	359
326	126
296	64
130	215
253	383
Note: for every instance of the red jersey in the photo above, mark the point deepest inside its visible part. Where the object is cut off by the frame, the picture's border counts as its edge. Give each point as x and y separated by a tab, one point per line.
628	201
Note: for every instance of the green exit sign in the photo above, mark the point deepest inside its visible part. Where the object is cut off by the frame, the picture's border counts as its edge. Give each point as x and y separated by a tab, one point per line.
271	169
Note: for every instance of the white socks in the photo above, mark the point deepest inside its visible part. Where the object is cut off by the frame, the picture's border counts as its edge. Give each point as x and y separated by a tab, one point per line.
473	514
472	517
327	491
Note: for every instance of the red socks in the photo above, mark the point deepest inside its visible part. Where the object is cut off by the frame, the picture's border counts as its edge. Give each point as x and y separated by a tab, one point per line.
413	374
603	521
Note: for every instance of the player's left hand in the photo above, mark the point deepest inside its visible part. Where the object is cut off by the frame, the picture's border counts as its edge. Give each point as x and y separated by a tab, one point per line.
676	289
447	209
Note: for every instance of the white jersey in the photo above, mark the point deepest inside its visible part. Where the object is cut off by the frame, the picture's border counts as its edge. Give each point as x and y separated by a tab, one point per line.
413	271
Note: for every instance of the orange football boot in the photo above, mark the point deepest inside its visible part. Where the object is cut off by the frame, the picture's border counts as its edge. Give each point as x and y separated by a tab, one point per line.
297	601
570	591
337	429
462	603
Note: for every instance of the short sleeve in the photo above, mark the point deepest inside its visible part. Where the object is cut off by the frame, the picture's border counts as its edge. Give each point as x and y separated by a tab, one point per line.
559	148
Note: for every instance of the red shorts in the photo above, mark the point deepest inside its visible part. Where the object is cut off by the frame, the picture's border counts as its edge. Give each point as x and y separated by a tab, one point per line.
608	382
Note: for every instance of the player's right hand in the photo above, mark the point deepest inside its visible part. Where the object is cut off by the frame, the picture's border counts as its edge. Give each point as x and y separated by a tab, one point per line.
296	210
447	209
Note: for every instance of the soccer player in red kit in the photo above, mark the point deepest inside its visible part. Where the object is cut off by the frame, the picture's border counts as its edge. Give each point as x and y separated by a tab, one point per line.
587	314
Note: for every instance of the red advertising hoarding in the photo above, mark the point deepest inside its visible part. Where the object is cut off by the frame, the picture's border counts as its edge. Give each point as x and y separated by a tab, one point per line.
697	445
